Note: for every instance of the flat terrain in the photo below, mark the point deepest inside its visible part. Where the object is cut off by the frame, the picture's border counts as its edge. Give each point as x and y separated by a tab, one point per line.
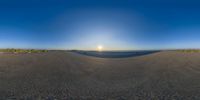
167	75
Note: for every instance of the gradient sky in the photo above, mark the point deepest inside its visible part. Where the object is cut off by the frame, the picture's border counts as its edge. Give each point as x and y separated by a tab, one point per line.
115	24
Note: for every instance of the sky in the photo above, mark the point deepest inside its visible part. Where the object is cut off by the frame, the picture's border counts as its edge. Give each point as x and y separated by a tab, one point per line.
112	24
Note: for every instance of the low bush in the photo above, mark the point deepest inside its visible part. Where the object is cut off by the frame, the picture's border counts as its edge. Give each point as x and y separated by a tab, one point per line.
189	51
22	50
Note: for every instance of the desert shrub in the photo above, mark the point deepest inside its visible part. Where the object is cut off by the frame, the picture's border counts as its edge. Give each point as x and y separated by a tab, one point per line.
22	50
189	50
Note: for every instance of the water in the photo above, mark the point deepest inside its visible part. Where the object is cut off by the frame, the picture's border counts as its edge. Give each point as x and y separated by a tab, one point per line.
115	54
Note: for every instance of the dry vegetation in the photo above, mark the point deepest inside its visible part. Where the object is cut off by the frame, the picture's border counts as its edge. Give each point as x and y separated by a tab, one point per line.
69	76
189	50
22	51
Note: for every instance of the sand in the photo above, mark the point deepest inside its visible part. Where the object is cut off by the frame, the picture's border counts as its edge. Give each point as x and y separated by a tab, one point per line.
62	75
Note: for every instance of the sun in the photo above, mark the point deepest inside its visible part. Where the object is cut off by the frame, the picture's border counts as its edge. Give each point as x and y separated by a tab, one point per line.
99	47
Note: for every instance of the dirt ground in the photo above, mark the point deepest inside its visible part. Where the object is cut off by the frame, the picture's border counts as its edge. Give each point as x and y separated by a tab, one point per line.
60	75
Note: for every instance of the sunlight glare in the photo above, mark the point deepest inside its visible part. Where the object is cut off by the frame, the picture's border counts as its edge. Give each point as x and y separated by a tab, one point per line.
99	47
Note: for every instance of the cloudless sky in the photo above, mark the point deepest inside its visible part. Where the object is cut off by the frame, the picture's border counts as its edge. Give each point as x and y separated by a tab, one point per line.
114	24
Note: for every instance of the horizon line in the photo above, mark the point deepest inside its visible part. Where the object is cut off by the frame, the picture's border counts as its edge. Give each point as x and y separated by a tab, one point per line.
105	50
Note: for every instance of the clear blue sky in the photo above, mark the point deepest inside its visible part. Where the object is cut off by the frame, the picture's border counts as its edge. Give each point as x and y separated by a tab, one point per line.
115	24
